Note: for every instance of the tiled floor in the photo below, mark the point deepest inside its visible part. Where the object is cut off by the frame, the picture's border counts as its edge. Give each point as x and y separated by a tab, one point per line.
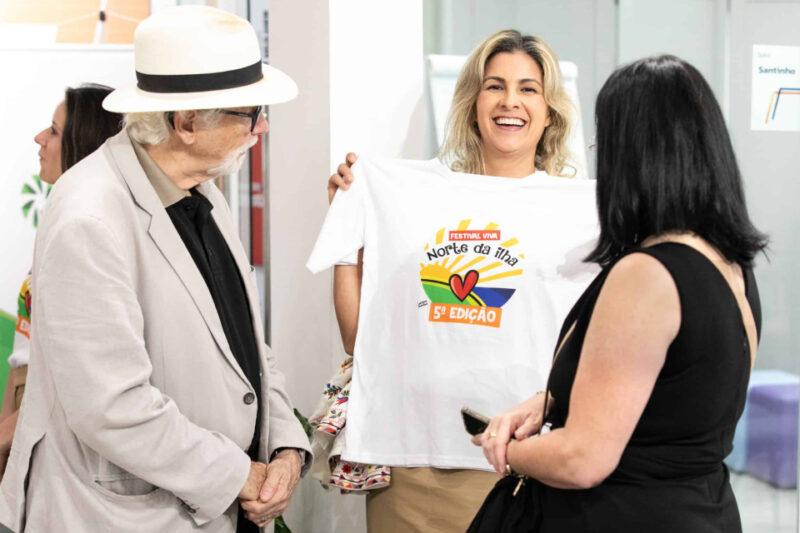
764	509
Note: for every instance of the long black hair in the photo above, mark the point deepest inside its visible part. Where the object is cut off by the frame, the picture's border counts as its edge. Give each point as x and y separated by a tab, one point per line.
665	163
88	125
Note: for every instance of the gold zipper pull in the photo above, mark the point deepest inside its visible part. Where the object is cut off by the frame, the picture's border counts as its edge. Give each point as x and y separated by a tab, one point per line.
519	485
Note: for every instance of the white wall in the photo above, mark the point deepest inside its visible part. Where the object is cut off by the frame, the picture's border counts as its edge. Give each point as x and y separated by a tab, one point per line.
693	30
298	164
360	70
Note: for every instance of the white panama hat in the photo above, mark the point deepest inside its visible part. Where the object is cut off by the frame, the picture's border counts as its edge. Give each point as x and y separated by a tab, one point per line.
198	57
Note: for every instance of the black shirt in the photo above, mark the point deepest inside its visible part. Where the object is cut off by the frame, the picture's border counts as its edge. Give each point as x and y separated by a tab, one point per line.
191	216
205	243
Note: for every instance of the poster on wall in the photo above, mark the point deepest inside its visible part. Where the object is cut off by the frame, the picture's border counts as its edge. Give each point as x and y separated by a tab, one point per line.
27	101
775	100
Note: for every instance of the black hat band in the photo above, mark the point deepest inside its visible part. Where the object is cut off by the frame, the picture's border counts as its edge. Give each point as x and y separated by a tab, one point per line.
194	83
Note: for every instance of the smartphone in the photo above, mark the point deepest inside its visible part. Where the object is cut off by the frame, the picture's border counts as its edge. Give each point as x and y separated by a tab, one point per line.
475	423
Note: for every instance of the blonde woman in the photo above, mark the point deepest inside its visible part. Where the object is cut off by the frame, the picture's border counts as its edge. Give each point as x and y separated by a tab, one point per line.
472	143
503	164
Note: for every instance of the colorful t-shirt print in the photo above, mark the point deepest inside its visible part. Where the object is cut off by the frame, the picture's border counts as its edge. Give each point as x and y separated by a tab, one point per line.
24	308
466	280
21	352
467	273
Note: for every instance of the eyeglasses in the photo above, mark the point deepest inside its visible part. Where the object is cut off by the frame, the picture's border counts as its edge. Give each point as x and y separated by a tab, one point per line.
252	115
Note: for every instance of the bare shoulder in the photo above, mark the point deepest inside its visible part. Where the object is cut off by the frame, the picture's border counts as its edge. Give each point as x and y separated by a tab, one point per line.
640	287
641	271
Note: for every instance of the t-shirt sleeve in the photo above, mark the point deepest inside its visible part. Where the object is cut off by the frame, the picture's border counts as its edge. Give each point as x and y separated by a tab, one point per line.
342	233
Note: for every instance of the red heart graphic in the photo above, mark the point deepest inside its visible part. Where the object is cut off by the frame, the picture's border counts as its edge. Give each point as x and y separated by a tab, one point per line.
461	288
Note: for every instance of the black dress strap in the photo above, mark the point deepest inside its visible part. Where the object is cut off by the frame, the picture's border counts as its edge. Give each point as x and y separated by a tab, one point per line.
685	263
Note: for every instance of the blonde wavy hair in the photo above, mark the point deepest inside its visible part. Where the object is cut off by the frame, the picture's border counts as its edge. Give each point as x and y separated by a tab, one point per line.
462	146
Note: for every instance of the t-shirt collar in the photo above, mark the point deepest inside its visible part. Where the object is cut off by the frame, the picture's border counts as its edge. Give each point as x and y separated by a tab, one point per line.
484	181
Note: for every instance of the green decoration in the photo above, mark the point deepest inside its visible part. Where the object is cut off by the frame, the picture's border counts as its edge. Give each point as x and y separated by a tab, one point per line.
34	195
27	207
304	422
280	526
8	323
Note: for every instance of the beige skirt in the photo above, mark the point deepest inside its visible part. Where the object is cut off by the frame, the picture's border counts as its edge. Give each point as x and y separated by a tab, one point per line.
429	500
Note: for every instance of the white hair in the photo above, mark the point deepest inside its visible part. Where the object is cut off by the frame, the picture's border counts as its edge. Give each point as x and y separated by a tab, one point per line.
233	162
152	128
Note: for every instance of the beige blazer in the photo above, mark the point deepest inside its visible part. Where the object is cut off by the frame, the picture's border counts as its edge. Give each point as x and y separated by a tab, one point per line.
136	414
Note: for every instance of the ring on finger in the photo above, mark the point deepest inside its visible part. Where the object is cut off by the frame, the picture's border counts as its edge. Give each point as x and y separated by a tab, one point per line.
492	435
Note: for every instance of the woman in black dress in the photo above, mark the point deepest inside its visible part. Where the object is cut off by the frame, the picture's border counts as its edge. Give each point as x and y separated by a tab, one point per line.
651	368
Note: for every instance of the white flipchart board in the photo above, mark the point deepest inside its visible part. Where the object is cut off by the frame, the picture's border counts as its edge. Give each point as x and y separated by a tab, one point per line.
33	84
443	72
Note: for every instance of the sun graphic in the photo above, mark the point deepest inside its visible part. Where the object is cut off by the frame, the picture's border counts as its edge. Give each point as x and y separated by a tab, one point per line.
461	276
34	195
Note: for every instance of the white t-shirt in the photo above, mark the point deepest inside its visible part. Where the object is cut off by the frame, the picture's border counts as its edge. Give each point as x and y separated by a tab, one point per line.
466	282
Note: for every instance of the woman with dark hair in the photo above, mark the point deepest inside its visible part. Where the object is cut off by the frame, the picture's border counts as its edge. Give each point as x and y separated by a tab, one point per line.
87	124
79	126
651	369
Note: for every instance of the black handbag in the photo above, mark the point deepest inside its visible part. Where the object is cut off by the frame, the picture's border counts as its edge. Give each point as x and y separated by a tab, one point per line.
513	505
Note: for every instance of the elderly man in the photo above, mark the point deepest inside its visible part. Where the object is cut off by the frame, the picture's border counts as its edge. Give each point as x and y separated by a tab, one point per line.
152	402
